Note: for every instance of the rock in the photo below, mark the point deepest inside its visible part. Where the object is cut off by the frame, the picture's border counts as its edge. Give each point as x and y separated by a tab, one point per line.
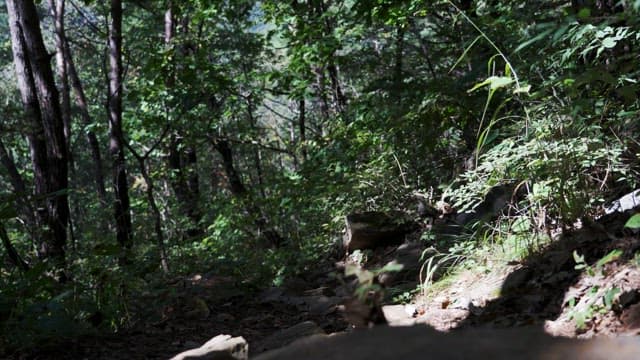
321	305
374	229
289	335
221	347
408	256
272	294
443	319
363	313
631	317
494	202
399	315
421	342
627	202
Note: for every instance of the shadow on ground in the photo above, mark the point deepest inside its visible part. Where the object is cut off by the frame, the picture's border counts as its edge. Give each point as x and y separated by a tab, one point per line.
537	290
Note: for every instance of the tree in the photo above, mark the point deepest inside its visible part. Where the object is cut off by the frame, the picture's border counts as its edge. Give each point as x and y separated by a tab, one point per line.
182	156
43	119
116	138
69	78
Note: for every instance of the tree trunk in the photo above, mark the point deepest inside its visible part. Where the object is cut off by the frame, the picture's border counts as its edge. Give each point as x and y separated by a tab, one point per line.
398	74
303	129
338	95
19	189
116	138
46	129
185	182
11	250
81	102
182	158
321	92
157	216
57	8
257	153
272	237
92	139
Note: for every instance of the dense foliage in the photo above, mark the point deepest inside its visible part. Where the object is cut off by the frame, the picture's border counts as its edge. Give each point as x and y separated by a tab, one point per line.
252	127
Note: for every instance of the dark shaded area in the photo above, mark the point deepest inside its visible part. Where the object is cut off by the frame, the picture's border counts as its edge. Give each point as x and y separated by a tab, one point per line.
535	292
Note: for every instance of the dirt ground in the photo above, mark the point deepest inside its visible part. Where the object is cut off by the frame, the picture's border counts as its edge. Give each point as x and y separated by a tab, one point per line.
595	293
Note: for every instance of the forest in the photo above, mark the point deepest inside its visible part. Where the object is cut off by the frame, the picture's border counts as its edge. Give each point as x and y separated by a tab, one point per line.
174	170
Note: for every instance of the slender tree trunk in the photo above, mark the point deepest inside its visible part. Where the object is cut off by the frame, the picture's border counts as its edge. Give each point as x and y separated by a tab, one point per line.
186	182
157	216
182	158
70	79
257	154
20	189
46	135
424	48
116	138
271	235
303	128
57	8
321	92
338	95
92	139
398	75
11	250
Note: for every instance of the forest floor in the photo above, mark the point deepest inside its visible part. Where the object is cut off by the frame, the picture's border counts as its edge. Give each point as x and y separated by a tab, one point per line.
585	283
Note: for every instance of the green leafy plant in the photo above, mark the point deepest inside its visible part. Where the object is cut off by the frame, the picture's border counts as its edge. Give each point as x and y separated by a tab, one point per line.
436	263
367	278
633	222
581	264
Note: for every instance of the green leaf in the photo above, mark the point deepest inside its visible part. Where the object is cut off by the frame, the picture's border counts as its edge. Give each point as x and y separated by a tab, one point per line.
633	222
464	53
522	89
609	297
584	13
612	256
500	82
609	42
494	82
536	38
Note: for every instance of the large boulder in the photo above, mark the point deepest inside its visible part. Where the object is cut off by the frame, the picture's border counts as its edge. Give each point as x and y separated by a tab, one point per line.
421	342
491	206
372	229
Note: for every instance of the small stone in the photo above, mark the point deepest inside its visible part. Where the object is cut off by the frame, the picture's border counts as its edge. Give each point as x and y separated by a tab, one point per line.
221	347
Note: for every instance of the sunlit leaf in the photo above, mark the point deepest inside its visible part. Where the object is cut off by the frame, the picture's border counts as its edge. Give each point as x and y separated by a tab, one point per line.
633	222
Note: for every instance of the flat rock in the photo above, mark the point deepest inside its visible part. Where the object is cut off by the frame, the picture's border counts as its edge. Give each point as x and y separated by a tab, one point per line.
421	342
221	347
399	315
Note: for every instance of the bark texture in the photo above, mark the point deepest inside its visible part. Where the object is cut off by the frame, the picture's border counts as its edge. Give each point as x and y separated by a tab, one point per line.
116	139
45	134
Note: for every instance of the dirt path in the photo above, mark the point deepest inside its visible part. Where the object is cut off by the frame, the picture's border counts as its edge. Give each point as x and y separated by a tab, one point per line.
546	289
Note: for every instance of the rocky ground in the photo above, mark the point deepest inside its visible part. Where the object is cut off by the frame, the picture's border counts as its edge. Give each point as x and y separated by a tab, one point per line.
585	283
